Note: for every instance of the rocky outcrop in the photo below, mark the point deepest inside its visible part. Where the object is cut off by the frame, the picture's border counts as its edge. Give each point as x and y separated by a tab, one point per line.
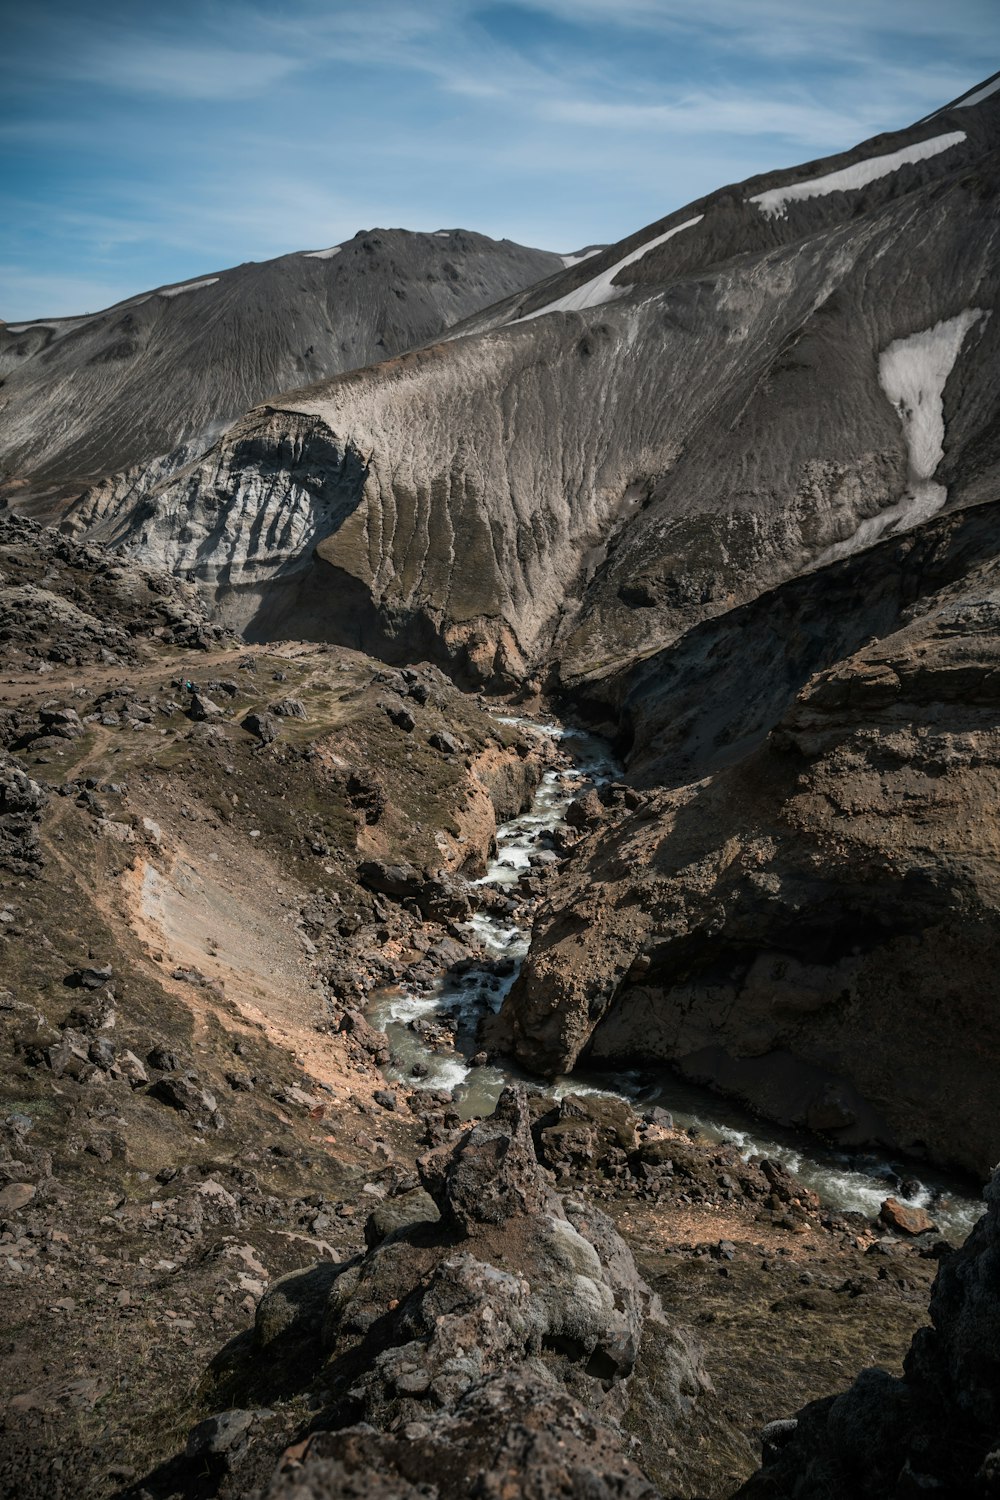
69	602
488	1338
814	928
711	697
137	391
658	435
21	803
935	1431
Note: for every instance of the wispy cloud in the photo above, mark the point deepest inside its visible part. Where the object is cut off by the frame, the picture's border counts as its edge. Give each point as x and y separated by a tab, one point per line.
149	144
178	72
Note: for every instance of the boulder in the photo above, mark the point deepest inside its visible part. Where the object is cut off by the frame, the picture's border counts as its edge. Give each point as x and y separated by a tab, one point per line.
414	1207
492	1173
401	717
399	880
182	1092
15	1196
202	708
905	1219
263	727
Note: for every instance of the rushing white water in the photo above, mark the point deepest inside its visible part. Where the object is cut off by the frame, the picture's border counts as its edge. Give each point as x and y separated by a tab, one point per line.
462	1000
458	1002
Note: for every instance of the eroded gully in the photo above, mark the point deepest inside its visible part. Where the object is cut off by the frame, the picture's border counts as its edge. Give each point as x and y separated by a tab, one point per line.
433	1033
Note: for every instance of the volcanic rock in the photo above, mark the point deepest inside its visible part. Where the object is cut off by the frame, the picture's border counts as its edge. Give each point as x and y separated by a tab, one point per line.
935	1430
129	392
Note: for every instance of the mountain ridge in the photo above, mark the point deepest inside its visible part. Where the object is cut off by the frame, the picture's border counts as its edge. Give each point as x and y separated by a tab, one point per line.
579	488
153	379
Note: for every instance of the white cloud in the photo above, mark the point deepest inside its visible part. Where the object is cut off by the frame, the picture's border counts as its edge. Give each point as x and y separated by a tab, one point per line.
179	72
179	140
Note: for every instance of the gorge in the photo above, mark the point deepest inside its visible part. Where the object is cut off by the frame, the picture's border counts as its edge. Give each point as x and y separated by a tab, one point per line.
498	859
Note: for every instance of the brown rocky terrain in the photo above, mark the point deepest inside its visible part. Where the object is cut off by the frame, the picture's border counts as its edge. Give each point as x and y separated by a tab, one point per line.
199	889
728	488
814	926
934	1429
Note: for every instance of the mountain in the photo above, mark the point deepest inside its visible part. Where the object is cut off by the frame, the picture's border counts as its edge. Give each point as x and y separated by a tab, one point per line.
153	380
771	377
728	491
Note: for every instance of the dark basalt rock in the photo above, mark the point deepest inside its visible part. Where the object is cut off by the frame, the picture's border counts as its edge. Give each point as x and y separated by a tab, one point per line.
21	803
934	1431
491	1347
509	1436
263	727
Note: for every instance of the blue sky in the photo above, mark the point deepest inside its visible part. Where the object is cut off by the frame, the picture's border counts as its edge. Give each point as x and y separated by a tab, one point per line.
148	142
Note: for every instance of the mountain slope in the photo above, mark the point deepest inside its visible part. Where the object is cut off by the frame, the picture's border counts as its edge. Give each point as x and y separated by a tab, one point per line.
90	396
663	431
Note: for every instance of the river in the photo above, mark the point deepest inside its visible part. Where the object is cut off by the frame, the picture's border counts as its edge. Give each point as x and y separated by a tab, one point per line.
846	1181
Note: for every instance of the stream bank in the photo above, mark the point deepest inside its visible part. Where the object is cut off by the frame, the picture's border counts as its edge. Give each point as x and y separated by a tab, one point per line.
434	1030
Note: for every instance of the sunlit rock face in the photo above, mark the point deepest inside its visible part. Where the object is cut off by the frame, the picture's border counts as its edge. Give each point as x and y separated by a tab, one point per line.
808	916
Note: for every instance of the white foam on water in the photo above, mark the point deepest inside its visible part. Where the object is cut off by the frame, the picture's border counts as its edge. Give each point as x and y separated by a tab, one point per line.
464	999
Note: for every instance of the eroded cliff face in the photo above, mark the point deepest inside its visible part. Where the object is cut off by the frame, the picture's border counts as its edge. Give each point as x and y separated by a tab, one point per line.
814	928
121	398
772	377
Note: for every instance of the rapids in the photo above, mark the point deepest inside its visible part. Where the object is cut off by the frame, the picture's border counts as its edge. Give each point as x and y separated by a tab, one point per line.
856	1181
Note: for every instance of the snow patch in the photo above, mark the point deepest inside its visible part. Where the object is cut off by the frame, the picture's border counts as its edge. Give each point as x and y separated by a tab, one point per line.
190	286
773	203
56	323
574	260
442	234
913	373
600	289
980	94
321	254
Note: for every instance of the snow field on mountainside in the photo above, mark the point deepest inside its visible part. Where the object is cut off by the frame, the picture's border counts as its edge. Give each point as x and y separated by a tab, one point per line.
913	373
599	289
980	94
574	260
191	286
55	323
321	254
773	203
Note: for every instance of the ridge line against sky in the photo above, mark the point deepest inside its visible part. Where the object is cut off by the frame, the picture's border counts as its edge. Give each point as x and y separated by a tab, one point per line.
144	143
